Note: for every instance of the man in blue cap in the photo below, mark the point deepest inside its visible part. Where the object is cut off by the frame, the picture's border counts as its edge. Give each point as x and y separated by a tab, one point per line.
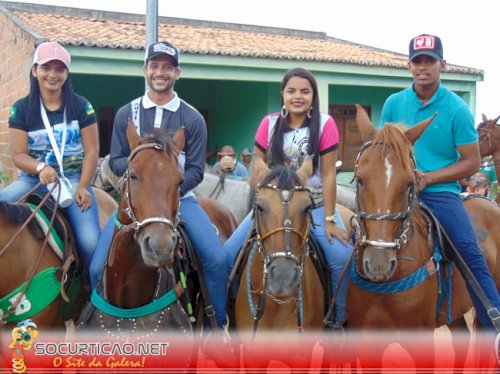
446	152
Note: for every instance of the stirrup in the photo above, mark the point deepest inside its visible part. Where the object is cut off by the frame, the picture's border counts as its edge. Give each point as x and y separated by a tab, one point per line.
494	315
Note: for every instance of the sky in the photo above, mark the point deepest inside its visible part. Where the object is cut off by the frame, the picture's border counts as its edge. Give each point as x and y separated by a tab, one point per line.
468	29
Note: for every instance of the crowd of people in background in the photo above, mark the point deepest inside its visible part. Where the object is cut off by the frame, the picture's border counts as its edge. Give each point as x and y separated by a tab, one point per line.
484	182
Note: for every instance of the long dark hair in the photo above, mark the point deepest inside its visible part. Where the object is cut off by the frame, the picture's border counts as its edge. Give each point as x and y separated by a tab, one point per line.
67	99
277	154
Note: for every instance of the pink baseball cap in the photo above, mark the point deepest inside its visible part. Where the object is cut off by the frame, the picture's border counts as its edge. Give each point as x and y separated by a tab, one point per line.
49	51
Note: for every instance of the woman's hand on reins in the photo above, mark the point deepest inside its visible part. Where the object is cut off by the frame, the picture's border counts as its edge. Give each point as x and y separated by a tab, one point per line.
47	175
333	230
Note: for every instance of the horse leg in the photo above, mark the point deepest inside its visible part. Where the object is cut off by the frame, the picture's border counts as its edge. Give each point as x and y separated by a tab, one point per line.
483	351
460	337
420	346
369	351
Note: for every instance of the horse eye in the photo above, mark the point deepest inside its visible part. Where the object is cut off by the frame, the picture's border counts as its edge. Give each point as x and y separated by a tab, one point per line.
360	181
259	207
133	176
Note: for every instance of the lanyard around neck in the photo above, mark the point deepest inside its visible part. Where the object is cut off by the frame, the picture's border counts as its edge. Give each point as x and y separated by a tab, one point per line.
50	132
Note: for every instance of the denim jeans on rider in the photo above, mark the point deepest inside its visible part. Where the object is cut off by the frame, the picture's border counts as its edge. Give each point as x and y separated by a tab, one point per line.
450	211
205	242
85	224
336	254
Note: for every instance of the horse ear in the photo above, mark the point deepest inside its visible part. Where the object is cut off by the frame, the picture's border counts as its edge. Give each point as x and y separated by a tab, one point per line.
132	135
365	126
414	132
485	119
179	140
496	121
259	171
305	170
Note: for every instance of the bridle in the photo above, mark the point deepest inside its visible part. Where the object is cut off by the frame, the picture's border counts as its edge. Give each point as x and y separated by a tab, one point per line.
404	216
488	137
124	184
286	196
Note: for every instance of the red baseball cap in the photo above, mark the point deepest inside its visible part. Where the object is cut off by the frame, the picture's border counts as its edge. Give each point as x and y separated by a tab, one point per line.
49	51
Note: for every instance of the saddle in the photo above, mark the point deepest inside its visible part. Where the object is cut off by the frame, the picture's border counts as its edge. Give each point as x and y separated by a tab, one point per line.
187	266
451	255
62	241
62	231
435	233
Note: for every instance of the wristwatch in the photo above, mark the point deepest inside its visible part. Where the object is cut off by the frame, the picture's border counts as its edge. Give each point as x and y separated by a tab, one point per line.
40	166
331	218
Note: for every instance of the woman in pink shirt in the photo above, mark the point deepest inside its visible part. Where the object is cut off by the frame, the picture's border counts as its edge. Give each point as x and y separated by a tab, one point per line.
286	138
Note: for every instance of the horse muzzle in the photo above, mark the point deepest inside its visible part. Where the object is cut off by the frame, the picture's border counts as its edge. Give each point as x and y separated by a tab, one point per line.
158	246
379	264
283	277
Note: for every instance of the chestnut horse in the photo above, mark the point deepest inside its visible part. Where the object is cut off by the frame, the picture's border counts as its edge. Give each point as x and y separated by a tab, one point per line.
396	273
280	289
29	260
139	294
489	143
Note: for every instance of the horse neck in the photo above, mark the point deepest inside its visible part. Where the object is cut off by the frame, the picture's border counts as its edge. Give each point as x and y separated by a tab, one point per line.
18	260
129	283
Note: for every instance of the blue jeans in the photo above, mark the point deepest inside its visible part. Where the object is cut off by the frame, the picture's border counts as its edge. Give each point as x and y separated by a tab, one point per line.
85	225
450	211
206	243
336	254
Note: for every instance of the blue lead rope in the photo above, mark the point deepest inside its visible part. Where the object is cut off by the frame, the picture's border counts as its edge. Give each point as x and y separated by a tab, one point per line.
410	281
249	284
401	285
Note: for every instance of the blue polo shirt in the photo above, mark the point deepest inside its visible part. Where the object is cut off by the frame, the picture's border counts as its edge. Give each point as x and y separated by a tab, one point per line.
452	127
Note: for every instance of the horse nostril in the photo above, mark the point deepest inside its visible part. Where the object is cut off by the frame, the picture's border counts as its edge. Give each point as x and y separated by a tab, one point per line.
366	265
272	272
147	245
394	263
296	275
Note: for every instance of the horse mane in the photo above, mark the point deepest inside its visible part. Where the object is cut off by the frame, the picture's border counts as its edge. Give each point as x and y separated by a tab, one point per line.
161	138
286	178
18	214
393	141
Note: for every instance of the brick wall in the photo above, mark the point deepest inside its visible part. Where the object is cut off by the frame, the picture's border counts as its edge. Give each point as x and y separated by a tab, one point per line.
15	62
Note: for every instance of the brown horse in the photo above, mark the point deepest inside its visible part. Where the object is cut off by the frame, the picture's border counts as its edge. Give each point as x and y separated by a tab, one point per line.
217	212
30	260
396	277
140	294
280	289
489	143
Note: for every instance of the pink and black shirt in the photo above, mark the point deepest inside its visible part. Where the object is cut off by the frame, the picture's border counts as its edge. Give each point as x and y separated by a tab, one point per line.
295	143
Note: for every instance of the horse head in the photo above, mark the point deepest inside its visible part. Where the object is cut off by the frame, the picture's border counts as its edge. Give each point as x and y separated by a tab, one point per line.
386	188
489	139
150	194
282	216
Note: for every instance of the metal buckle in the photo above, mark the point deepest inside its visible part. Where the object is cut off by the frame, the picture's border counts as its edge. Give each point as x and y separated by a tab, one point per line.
209	311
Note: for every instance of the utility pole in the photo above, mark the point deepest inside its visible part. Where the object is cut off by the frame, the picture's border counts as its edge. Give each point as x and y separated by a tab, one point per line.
151	24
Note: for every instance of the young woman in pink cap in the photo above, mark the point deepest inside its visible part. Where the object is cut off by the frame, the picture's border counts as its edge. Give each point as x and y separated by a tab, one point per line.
53	134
